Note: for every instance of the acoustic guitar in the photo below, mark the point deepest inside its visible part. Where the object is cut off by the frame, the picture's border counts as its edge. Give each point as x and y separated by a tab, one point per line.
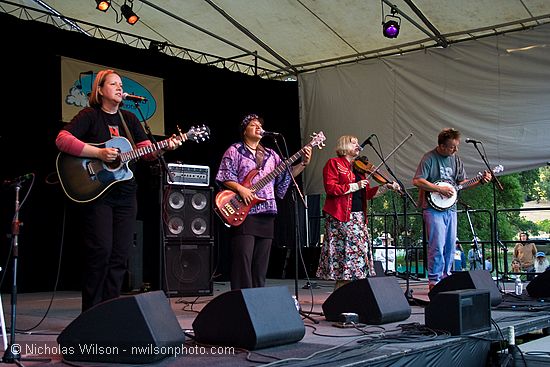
86	179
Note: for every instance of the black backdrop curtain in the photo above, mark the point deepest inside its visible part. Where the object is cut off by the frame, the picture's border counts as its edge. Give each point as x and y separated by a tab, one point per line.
31	116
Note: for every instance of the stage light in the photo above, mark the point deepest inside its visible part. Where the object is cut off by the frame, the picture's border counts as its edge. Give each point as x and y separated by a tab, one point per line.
102	5
391	23
129	14
157	46
390	29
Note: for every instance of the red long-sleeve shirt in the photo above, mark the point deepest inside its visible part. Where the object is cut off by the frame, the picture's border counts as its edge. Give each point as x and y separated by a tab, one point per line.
337	177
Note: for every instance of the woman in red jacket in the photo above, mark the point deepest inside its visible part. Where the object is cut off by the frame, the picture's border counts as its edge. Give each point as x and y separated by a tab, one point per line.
346	253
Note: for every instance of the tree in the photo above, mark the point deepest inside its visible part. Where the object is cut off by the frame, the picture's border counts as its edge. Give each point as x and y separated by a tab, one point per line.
528	181
543	184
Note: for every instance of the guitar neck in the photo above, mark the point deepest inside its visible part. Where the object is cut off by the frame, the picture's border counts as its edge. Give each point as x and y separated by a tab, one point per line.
140	152
470	182
277	171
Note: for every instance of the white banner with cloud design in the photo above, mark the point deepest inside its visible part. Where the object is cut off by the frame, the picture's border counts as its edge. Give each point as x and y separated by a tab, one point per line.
78	76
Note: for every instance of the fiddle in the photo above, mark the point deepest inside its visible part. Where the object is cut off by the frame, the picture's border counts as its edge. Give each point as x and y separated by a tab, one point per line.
362	166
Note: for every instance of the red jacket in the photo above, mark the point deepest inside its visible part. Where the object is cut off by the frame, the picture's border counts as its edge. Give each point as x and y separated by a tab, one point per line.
337	175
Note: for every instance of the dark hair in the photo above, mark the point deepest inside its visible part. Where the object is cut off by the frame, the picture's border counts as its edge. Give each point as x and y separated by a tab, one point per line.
526	235
447	134
246	120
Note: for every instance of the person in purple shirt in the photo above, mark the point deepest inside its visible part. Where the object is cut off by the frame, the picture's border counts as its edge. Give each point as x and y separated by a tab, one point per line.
251	241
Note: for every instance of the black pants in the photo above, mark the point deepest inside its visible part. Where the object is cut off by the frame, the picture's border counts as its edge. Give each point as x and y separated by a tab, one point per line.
250	248
108	231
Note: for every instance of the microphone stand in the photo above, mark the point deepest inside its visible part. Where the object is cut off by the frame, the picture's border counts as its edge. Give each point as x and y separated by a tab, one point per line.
13	353
475	247
164	168
496	184
297	246
405	195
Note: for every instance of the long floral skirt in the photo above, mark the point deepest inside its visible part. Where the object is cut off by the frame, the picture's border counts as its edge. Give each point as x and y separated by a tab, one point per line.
346	254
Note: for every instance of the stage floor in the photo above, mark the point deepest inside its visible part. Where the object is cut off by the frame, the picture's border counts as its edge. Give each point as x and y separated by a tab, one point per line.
322	339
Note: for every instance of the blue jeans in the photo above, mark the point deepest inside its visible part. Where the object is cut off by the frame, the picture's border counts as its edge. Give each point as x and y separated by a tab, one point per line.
441	230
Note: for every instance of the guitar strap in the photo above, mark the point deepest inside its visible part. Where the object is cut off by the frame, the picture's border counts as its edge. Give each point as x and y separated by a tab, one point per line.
260	153
128	134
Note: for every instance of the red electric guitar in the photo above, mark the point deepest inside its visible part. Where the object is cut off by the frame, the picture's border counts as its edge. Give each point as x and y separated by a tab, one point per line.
231	207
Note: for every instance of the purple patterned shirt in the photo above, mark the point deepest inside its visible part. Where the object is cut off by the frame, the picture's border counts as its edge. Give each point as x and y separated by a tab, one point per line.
238	161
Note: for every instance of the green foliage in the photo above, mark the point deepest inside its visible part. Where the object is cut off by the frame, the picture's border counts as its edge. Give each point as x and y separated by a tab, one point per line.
543	185
544	225
528	181
481	197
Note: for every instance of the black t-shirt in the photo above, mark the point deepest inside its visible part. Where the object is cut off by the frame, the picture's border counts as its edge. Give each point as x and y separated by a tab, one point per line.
95	126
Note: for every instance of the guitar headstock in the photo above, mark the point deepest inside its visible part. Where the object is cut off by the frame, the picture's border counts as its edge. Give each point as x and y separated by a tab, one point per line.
198	134
317	140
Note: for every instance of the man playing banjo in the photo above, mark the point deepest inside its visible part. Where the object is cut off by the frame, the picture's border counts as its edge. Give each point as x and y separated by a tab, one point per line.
438	175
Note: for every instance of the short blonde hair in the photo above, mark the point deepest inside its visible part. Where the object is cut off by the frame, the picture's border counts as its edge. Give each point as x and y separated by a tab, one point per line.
344	144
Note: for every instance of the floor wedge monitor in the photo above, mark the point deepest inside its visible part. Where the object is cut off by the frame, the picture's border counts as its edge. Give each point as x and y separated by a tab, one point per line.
475	279
377	300
129	329
251	318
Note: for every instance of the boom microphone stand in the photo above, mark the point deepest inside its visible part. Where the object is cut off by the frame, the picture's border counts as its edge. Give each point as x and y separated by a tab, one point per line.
475	247
297	246
164	168
12	354
405	195
496	184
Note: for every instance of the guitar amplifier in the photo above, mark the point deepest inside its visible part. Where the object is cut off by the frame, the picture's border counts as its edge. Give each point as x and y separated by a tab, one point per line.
188	174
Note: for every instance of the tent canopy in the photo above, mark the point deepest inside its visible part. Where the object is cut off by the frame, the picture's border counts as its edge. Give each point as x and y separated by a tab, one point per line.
288	37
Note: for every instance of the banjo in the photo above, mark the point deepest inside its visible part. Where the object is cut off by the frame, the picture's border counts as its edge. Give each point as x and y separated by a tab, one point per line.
440	202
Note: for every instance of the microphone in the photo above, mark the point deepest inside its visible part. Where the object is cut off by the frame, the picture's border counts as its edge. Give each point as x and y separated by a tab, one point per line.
367	141
268	133
468	140
17	180
131	97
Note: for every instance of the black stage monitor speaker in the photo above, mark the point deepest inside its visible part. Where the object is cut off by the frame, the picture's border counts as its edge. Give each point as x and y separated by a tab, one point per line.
465	311
251	318
378	300
129	329
188	268
539	287
188	213
475	279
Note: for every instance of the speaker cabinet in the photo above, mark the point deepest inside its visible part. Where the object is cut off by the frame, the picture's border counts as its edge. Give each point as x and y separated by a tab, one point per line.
251	318
187	213
475	279
134	279
188	270
539	287
465	311
378	300
129	329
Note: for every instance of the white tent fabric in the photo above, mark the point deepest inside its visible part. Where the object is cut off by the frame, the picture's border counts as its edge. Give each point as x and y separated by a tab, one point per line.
289	36
494	89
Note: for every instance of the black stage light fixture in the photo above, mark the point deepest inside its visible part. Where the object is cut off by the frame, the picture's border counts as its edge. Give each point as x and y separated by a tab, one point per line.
391	24
103	5
129	14
390	29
